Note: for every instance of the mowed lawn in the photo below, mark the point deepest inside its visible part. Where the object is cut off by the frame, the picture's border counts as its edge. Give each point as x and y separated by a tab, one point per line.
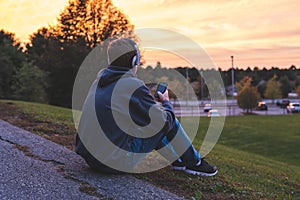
257	156
274	137
260	153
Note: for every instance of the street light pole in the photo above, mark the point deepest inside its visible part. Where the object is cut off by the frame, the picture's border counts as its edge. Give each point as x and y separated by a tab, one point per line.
202	82
232	84
187	86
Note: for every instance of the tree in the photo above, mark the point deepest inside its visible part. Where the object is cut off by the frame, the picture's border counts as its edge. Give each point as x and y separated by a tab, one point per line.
248	95
7	69
59	60
59	50
91	22
30	83
297	90
261	88
273	89
285	86
11	58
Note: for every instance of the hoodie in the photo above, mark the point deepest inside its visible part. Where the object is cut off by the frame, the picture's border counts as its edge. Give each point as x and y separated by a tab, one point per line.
129	118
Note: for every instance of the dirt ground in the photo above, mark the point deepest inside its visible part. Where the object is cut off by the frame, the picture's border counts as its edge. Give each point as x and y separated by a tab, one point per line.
9	112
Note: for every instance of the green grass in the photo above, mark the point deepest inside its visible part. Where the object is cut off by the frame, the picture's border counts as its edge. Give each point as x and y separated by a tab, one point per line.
257	156
247	171
45	113
275	137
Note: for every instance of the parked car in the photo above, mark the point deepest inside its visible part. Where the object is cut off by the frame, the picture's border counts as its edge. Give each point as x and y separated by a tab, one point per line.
278	102
293	108
213	113
282	103
262	106
207	107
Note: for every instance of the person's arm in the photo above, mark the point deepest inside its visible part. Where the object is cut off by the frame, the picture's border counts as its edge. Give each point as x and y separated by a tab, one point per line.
142	101
165	101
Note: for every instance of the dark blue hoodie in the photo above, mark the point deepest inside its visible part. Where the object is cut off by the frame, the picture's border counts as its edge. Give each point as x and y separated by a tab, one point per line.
127	114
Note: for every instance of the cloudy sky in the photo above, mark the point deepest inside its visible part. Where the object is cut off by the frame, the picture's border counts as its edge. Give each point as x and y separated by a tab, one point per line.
261	33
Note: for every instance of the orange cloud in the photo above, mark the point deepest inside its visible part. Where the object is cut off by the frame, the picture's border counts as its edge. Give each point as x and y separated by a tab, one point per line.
257	32
24	17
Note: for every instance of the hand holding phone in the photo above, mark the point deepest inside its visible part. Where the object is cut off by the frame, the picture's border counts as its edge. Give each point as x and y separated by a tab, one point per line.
162	87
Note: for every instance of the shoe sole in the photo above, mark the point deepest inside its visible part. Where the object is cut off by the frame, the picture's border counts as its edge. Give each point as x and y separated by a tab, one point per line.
178	168
200	173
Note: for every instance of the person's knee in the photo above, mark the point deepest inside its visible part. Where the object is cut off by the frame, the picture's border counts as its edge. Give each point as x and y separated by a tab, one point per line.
173	131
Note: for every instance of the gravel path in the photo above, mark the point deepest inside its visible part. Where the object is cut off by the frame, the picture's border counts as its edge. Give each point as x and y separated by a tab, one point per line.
32	167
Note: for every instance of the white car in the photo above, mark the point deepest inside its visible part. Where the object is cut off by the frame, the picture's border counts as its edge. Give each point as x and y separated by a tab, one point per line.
293	107
207	107
213	113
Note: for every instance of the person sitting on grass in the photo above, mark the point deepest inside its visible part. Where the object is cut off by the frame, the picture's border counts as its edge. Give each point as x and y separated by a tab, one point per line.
131	120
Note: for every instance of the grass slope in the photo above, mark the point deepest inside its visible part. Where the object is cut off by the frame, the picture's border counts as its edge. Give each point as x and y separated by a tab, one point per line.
257	156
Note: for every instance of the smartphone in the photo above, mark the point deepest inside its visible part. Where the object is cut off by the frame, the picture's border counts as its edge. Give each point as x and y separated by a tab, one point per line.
162	86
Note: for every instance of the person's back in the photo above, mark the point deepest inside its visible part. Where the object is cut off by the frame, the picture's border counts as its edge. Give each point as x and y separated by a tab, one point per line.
122	103
121	121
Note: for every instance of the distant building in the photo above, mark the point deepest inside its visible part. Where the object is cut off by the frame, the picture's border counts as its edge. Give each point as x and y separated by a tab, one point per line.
292	95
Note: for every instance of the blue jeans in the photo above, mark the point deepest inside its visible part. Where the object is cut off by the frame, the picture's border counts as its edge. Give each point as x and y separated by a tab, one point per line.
189	156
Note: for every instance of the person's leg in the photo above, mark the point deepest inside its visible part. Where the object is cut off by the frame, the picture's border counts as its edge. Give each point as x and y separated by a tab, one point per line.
181	143
171	145
190	160
167	150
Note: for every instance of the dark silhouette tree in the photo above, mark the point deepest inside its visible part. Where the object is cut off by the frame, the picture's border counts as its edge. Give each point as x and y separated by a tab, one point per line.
59	50
285	86
60	60
11	59
29	84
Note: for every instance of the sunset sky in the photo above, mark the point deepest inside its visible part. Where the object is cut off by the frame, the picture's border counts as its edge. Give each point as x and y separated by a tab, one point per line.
257	32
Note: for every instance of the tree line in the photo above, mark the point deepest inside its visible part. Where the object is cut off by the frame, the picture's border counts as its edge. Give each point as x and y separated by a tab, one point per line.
44	69
269	83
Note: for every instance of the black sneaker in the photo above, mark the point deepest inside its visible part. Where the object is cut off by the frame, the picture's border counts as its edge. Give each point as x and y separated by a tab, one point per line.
204	169
177	165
